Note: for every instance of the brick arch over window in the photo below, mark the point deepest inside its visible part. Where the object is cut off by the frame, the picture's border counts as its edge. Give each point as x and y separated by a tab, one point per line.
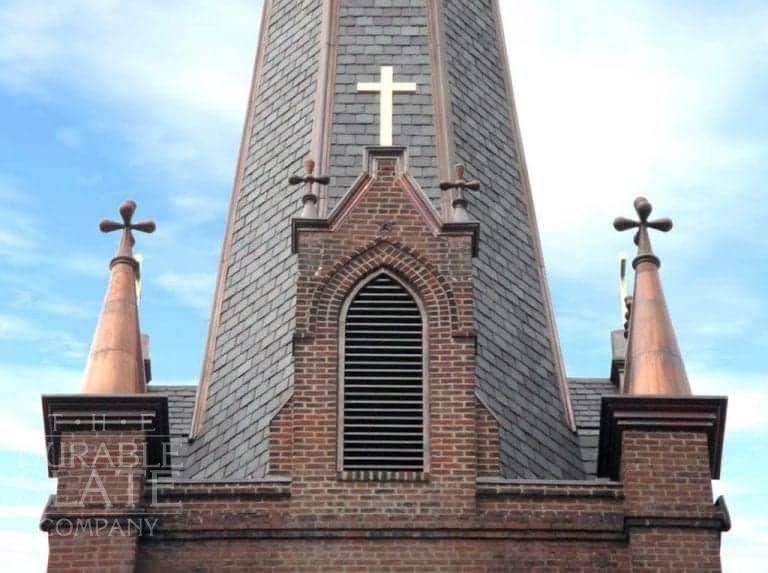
431	287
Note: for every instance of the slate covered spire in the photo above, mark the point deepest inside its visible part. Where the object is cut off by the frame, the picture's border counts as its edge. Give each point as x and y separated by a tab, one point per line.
305	102
115	363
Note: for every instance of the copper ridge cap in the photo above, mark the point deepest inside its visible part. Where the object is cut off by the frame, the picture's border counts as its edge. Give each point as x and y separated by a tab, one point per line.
115	363
654	364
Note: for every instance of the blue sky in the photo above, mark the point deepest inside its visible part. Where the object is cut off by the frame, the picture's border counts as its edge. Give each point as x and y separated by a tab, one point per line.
102	100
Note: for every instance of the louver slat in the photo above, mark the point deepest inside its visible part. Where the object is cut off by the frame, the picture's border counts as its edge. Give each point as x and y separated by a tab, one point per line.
383	401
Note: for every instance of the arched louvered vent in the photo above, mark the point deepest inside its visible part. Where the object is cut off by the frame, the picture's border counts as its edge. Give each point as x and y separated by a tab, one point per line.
383	391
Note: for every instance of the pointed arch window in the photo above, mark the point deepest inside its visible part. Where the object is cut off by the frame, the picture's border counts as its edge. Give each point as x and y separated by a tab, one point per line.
382	402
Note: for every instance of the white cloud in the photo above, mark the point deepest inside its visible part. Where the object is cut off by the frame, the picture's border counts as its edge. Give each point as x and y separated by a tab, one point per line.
194	289
178	73
198	207
729	488
15	511
26	50
640	118
30	297
53	342
84	264
24	552
20	234
746	545
22	434
21	423
747	396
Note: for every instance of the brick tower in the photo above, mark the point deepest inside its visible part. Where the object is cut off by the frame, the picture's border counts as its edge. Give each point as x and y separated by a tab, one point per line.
382	387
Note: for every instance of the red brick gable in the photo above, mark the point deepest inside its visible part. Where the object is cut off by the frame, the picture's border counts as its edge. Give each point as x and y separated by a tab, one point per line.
385	223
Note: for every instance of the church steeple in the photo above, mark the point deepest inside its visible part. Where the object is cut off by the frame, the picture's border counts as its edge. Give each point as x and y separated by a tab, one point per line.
332	79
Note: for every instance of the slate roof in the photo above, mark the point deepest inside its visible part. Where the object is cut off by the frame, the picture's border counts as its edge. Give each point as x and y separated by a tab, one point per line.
181	404
252	368
586	394
516	370
252	365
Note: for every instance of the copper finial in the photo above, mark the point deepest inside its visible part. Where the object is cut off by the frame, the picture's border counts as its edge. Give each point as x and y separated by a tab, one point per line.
654	363
310	197
127	209
116	363
459	184
643	208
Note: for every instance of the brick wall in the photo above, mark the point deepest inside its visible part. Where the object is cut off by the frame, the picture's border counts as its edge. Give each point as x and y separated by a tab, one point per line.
486	442
387	555
667	474
100	484
101	469
382	229
671	520
459	516
679	550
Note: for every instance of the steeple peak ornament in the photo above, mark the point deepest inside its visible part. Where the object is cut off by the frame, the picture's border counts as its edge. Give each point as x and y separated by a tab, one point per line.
127	210
654	364
386	88
643	208
116	362
310	197
460	184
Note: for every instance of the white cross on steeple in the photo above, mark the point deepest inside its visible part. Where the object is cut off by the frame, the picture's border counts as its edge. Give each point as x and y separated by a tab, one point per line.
387	88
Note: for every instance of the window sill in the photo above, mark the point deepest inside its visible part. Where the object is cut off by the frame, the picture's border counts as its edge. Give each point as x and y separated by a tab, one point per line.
380	476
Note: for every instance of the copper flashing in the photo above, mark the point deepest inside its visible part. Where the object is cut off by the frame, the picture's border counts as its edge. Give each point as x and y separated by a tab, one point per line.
654	363
116	363
201	399
325	95
522	166
440	98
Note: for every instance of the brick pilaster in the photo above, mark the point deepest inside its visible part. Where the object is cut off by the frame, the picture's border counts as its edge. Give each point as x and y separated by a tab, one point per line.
666	451
670	518
93	523
101	449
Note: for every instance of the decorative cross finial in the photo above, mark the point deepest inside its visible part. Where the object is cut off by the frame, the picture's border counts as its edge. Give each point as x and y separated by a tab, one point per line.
386	88
310	198
643	208
460	184
127	209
